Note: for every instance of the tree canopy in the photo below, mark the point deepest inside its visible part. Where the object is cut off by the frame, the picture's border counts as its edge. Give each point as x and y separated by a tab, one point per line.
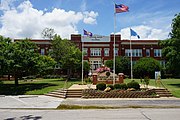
20	59
171	48
66	54
146	67
122	65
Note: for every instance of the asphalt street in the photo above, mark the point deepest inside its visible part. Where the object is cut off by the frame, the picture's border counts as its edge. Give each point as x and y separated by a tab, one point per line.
106	114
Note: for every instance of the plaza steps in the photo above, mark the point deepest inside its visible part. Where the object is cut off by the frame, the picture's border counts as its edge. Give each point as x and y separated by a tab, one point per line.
162	92
66	93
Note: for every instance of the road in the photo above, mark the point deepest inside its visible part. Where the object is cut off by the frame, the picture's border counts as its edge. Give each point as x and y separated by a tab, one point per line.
106	114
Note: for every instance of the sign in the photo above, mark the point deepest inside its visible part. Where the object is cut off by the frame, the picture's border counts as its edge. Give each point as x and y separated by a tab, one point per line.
95	38
157	75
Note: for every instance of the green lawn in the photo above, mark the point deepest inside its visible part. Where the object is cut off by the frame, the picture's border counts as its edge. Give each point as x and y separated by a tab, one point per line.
173	85
42	86
35	87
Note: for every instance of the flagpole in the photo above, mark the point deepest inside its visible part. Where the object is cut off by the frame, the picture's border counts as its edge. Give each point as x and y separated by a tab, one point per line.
82	61
131	56
114	48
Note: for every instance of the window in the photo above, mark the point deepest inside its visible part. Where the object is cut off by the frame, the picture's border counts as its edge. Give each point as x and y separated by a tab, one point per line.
95	64
95	52
85	51
42	51
135	52
116	51
127	52
106	51
157	52
147	52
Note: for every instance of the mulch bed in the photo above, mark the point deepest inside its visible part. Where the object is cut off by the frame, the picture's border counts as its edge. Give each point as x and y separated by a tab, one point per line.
91	93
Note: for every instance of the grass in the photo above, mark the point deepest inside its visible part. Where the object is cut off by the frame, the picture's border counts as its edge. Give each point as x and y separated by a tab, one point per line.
173	85
74	107
35	87
43	86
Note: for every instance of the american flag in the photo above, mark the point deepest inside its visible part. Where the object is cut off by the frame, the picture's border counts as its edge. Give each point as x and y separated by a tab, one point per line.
121	8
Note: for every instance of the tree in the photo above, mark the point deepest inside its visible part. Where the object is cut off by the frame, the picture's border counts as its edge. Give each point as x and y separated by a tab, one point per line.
146	67
122	65
5	55
171	48
19	59
86	67
66	54
48	33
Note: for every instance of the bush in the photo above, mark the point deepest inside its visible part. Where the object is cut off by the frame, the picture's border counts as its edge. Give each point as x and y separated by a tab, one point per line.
1	82
111	86
133	84
101	86
88	80
108	74
120	86
117	86
123	86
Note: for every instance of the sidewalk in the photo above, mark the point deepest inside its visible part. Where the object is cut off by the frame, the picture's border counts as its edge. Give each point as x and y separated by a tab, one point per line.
169	102
29	101
77	86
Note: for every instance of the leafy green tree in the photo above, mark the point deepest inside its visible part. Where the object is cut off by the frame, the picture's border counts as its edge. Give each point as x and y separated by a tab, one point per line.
86	67
66	54
5	54
146	67
122	65
44	64
48	33
171	48
19	59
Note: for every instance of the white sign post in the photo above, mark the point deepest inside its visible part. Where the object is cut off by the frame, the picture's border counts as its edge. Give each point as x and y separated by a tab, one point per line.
157	78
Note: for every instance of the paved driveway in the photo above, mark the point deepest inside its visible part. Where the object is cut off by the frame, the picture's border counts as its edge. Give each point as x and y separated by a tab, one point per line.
29	101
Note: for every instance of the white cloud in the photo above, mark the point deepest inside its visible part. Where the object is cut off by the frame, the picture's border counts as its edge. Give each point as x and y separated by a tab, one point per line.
6	4
26	21
90	17
83	5
145	32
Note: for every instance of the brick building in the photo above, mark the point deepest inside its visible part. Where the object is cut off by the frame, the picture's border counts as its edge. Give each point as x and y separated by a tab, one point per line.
98	49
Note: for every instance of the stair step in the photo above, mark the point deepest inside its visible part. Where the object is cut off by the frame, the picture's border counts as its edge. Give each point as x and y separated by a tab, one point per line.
163	92
55	95
66	93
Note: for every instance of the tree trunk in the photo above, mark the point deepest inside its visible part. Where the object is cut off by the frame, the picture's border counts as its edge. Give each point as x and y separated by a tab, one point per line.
16	80
9	77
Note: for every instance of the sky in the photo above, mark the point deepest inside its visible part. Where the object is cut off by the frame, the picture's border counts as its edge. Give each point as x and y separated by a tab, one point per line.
151	19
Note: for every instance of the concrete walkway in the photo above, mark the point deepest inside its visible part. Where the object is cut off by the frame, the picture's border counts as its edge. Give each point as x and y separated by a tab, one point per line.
77	86
29	101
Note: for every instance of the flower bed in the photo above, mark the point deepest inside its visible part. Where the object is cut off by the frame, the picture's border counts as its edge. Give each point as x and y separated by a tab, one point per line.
91	93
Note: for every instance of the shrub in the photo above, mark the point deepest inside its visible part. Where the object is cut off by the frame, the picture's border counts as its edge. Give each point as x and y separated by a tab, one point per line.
111	86
1	82
117	86
146	80
101	86
108	74
88	80
133	84
123	86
